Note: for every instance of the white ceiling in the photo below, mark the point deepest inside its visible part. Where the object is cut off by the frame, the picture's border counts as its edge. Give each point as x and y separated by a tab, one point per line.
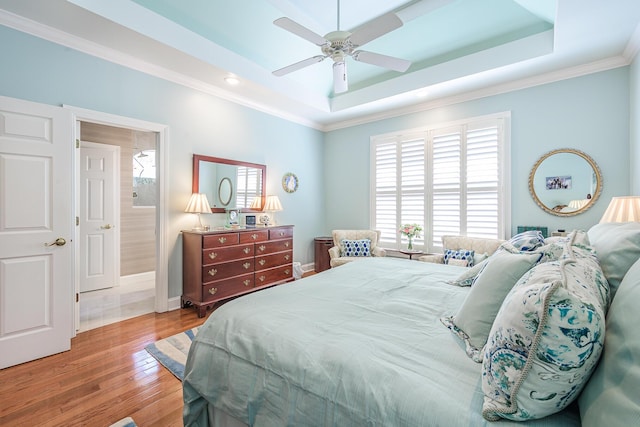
460	49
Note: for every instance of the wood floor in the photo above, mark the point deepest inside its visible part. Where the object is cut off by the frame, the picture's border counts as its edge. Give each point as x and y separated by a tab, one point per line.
107	375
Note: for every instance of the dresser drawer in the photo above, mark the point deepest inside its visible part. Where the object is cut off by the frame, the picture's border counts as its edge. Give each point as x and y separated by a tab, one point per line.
225	270
273	260
277	274
218	240
280	233
254	236
226	288
230	253
275	246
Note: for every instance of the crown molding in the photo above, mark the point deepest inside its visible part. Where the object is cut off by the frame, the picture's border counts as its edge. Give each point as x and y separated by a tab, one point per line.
537	80
62	38
632	48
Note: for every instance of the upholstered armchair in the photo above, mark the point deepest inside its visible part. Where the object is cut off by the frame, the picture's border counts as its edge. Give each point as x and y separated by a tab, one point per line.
483	247
347	246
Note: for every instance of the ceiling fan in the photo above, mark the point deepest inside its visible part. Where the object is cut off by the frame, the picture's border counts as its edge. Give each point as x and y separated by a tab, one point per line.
338	45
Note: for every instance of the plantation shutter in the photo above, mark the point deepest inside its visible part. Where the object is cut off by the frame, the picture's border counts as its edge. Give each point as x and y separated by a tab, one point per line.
448	180
249	184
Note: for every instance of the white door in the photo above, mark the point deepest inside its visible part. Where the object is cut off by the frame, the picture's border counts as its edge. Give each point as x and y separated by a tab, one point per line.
36	229
98	216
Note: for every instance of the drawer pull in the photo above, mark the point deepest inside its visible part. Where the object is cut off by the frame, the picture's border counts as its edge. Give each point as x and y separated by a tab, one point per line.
246	265
287	272
262	248
213	255
212	272
261	262
222	239
281	233
286	257
254	236
286	244
247	282
246	250
213	291
261	278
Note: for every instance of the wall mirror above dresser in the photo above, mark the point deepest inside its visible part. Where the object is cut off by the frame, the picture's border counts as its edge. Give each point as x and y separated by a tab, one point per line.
229	184
565	182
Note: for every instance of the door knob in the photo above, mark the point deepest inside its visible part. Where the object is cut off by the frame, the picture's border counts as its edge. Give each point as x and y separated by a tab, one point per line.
107	227
58	242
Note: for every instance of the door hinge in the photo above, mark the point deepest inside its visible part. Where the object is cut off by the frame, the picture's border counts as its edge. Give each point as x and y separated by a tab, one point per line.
77	143
77	297
77	221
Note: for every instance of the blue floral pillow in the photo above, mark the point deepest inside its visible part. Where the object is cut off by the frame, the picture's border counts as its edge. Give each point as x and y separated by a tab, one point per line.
462	254
528	240
356	248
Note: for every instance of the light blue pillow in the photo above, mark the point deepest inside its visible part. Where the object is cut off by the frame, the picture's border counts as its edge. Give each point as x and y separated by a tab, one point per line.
475	316
547	338
356	248
463	254
617	246
528	240
614	387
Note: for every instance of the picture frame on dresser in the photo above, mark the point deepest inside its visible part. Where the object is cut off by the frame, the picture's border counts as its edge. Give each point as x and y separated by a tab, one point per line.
222	264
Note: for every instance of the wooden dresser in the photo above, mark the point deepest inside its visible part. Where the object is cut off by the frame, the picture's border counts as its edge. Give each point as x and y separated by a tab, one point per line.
217	265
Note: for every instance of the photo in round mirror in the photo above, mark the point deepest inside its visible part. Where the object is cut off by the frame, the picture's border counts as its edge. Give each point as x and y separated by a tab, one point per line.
565	182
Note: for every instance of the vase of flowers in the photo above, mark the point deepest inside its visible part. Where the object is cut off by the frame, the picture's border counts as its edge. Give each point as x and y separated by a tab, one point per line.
411	231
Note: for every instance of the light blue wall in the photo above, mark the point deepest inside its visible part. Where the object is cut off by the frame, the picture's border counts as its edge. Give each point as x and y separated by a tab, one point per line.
589	113
40	71
634	157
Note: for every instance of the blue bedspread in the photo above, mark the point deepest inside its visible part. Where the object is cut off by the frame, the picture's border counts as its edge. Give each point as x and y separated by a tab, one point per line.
358	345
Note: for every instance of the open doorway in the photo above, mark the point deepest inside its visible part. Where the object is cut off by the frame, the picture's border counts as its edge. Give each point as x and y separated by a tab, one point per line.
131	291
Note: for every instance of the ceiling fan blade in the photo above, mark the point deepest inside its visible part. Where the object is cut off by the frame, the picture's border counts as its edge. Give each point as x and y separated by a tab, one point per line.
298	65
375	28
340	83
300	31
385	61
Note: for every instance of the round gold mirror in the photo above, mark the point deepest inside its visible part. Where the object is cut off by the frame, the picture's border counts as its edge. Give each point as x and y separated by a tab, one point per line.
565	182
225	191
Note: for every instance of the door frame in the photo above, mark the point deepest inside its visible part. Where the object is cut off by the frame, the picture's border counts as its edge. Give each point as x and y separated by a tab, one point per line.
116	204
162	213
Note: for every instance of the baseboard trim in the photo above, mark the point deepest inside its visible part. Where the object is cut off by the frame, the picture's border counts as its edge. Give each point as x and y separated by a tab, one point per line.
173	303
138	277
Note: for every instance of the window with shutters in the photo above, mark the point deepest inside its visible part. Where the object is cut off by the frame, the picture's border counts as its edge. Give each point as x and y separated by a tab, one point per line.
249	183
450	179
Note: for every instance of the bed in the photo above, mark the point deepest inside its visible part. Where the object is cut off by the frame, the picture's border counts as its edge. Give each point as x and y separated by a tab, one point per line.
358	345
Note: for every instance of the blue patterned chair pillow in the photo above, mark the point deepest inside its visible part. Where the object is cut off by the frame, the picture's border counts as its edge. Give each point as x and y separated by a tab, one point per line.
462	254
528	240
356	248
546	339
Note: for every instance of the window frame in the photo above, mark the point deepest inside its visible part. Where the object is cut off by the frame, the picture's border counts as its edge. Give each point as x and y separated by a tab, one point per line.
426	242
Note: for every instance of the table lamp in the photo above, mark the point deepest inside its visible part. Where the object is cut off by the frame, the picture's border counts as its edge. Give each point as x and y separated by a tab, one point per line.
272	205
622	209
198	204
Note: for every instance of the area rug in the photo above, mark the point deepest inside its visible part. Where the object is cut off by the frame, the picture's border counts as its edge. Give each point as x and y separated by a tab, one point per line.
125	422
172	352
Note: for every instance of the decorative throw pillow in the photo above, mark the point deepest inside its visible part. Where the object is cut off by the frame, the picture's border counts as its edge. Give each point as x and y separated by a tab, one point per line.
356	248
546	339
614	387
458	262
464	254
475	316
528	240
468	277
617	246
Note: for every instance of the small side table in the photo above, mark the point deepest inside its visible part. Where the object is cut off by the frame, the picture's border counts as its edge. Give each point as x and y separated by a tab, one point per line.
411	253
321	248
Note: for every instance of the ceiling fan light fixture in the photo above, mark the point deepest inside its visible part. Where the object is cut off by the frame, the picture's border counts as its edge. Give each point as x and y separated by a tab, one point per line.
340	83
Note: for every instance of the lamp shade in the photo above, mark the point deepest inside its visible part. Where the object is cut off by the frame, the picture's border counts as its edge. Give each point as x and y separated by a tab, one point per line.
256	203
623	209
198	203
272	204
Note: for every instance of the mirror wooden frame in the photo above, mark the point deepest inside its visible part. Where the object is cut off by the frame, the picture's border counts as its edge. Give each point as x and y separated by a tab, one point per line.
195	179
589	160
